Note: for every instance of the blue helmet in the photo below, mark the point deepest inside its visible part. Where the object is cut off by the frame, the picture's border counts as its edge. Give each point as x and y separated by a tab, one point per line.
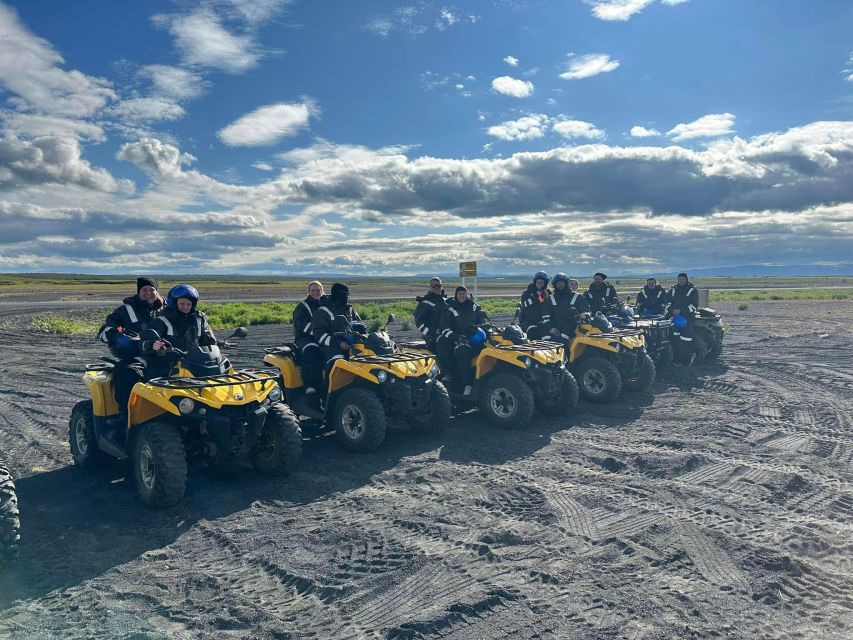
541	275
477	338
182	291
559	277
679	322
125	347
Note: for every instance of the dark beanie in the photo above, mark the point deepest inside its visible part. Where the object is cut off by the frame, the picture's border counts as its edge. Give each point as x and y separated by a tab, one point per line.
339	290
682	274
461	288
603	275
145	281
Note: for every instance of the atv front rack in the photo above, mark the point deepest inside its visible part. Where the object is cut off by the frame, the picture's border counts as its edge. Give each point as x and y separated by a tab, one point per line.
615	335
221	380
394	357
530	347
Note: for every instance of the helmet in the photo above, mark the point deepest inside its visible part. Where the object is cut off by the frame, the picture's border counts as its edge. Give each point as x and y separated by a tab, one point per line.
358	327
477	338
560	277
541	275
679	322
648	311
181	291
514	334
125	347
601	322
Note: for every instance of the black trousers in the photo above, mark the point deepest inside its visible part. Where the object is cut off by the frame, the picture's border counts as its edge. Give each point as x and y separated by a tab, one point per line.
458	355
311	359
124	377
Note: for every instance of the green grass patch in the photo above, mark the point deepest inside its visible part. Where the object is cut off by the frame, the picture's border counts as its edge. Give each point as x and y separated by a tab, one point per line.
793	295
62	325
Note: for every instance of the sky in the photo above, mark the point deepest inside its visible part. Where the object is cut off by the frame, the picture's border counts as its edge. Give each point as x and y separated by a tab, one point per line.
392	138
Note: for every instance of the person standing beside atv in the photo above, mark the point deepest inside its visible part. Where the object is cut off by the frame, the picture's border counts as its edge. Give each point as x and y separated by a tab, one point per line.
651	298
327	323
311	357
428	312
601	294
461	338
534	306
566	308
683	299
179	326
121	331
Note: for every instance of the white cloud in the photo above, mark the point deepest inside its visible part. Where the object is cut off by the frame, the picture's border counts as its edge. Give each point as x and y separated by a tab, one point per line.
263	166
578	129
589	65
848	68
641	132
267	125
254	11
174	82
203	41
710	126
414	21
617	9
672	3
51	160
155	156
30	68
512	87
141	110
525	128
511	61
33	126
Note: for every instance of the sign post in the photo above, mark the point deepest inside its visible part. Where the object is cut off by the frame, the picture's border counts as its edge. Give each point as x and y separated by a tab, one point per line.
467	269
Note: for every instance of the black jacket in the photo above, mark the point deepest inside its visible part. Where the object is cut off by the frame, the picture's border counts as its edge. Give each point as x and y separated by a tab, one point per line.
534	307
459	320
303	314
324	326
134	314
685	298
565	307
428	314
181	330
600	296
653	299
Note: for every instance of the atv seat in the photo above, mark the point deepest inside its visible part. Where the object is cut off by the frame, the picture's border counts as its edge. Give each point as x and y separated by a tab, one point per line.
288	350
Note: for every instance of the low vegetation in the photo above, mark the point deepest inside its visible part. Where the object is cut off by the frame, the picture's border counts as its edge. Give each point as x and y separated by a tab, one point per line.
818	293
62	325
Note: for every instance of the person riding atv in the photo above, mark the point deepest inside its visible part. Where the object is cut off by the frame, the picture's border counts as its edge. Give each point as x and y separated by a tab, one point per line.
657	329
10	523
373	385
193	405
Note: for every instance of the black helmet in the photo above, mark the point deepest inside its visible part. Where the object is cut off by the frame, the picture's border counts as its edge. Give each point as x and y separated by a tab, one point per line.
560	277
514	334
601	322
541	275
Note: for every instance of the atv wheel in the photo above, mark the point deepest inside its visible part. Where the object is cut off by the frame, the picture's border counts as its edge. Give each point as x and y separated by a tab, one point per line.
159	465
563	402
438	415
598	379
279	448
10	523
81	437
700	348
507	400
664	357
359	420
645	378
715	350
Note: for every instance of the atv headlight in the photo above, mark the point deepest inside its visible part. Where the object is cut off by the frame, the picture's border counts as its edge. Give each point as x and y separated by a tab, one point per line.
275	394
434	370
186	405
382	376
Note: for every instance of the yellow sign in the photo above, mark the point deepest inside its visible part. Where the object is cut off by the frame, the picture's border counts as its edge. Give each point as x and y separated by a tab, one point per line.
467	269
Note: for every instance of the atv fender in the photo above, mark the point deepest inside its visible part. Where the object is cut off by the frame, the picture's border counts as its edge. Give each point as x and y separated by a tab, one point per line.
291	375
99	381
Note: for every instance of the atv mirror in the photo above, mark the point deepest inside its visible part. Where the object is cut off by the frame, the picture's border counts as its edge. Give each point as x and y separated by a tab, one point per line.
239	332
391	318
628	299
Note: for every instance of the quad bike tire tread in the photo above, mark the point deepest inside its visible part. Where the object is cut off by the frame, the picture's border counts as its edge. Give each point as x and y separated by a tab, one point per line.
288	442
170	463
374	414
700	348
521	392
665	357
94	457
645	379
10	522
439	414
565	402
612	379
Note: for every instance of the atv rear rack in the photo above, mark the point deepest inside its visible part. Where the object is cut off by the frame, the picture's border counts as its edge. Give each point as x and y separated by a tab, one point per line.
222	380
395	357
531	346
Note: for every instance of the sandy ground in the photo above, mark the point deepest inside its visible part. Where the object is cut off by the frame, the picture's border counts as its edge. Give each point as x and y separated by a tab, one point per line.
720	506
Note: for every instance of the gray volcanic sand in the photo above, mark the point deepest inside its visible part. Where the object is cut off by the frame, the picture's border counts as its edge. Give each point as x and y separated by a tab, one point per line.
720	506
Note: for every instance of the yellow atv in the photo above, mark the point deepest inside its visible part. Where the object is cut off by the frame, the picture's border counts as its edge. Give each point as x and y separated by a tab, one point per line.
10	524
514	376
204	410
377	383
606	360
